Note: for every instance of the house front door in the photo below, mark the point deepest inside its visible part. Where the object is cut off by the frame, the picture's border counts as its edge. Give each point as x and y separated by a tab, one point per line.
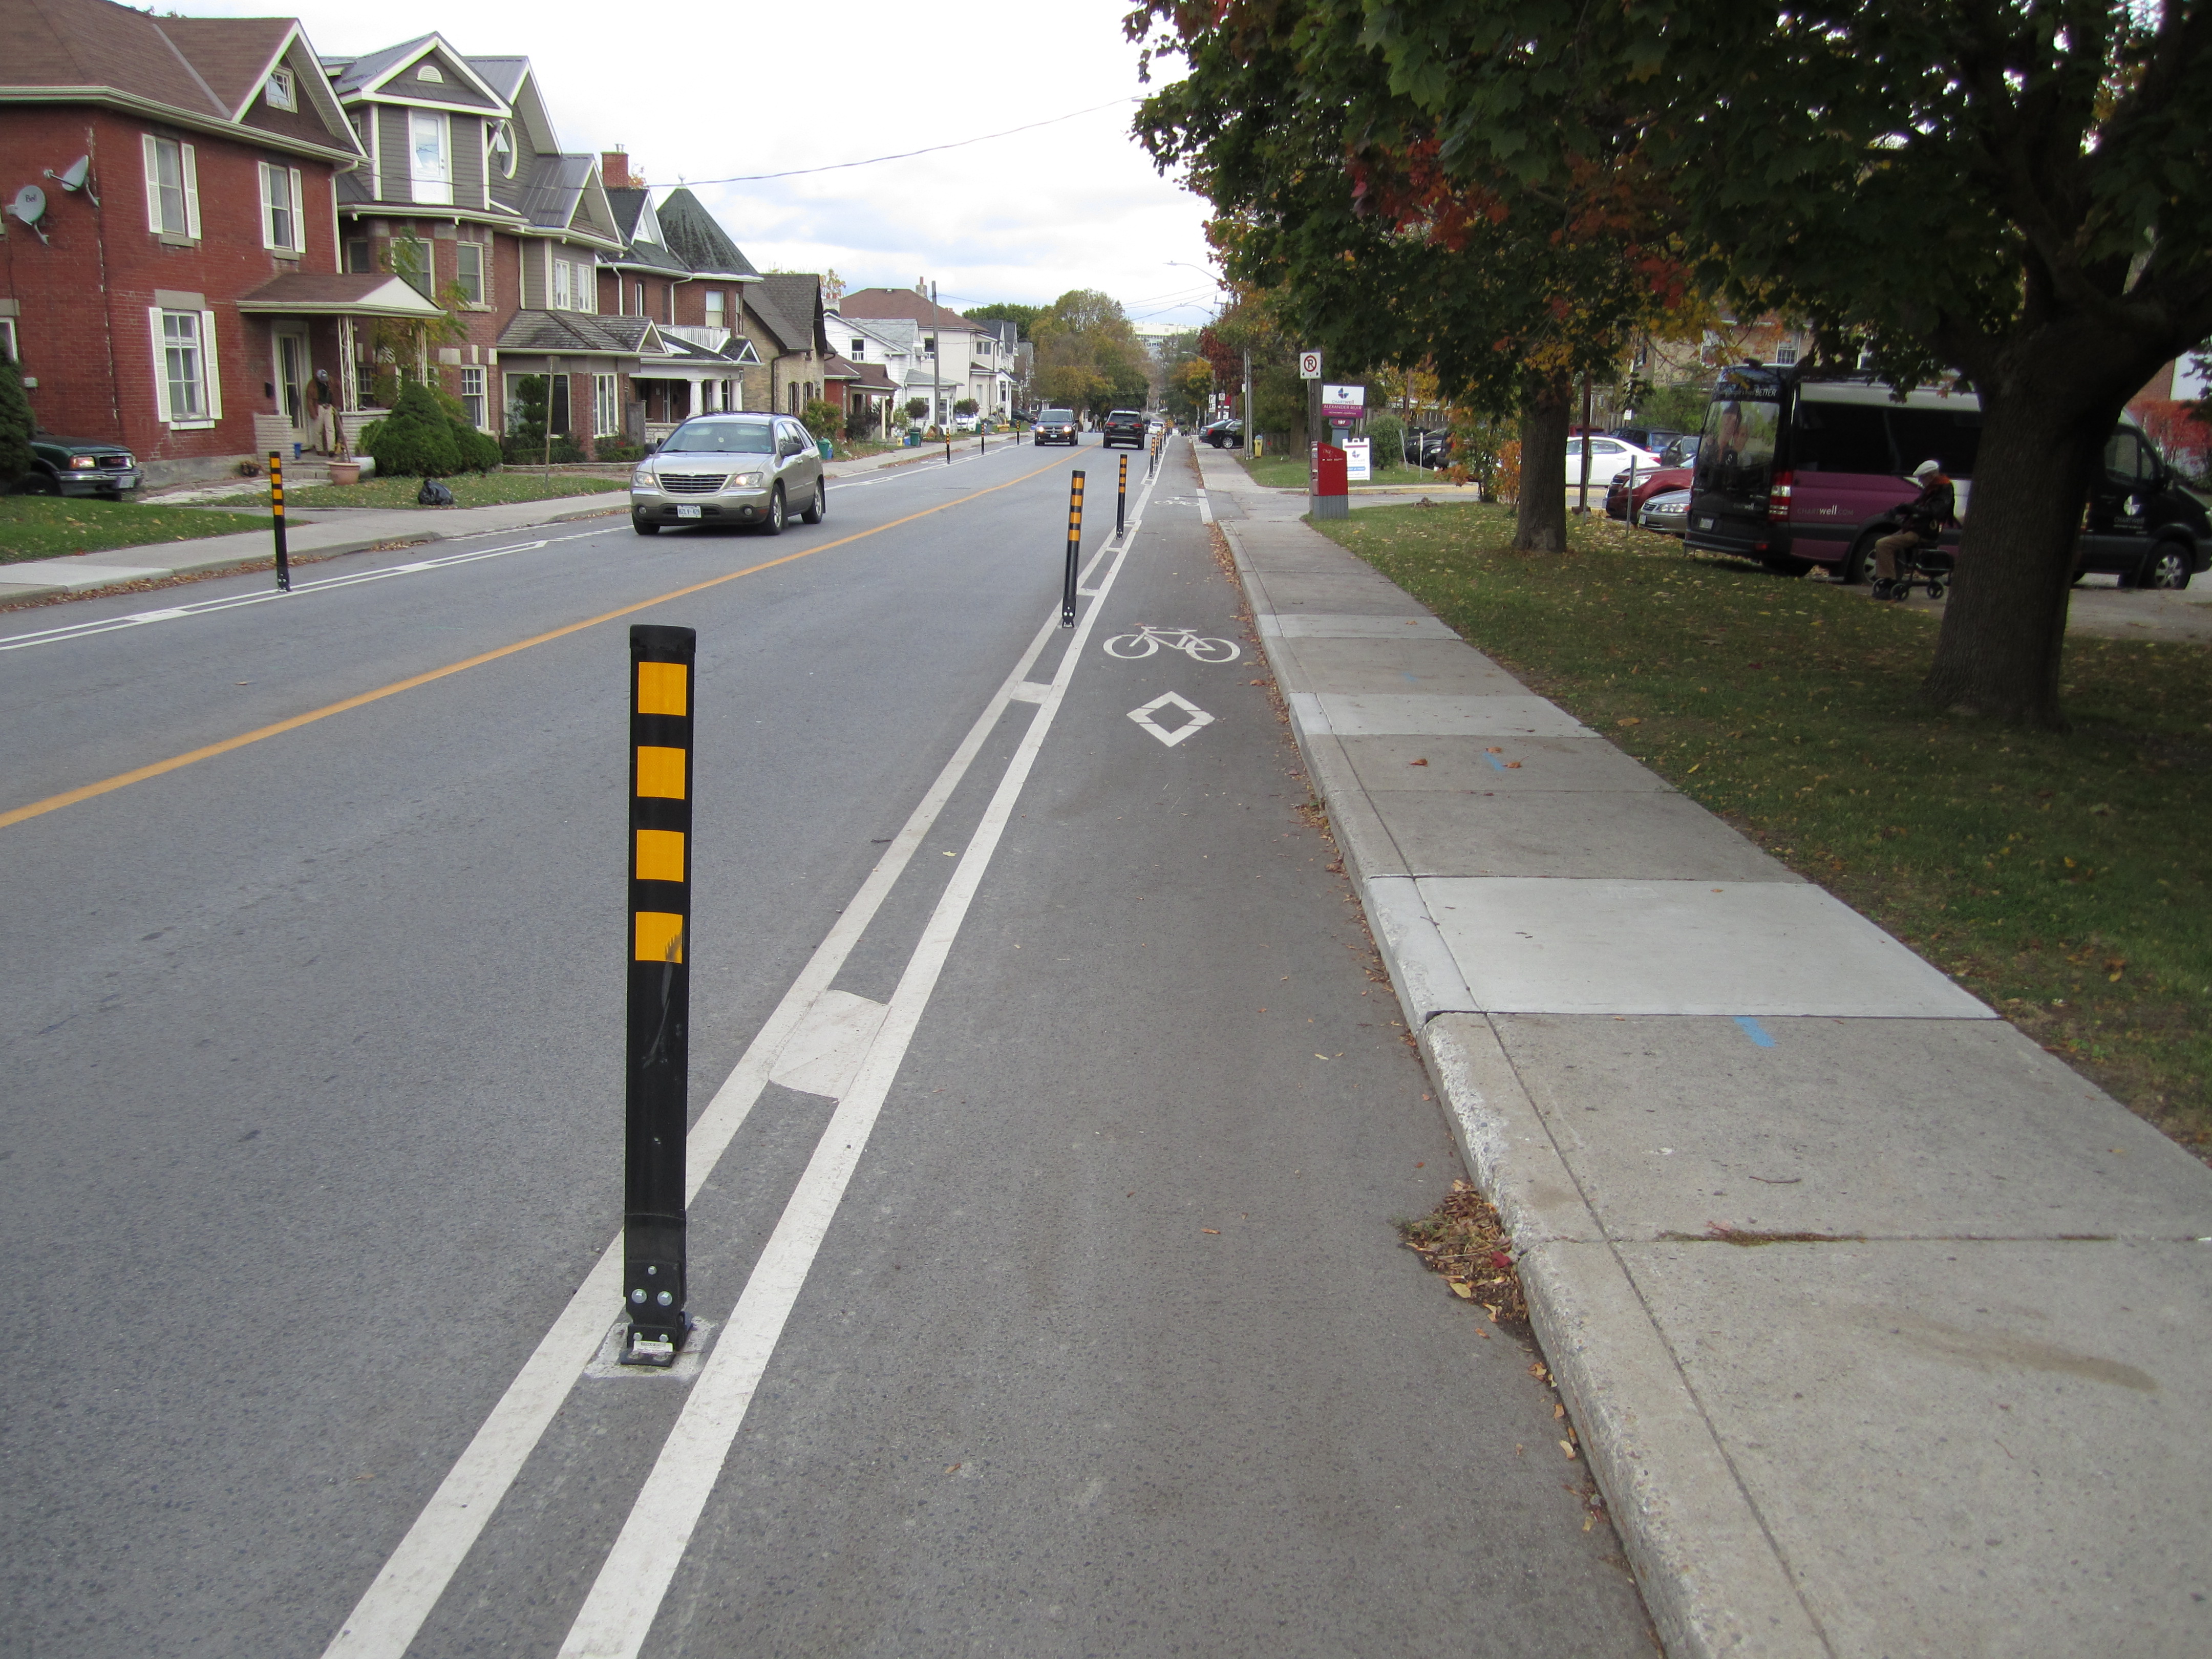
293	370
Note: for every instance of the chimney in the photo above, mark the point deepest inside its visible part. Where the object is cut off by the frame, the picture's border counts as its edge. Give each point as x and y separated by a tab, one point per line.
614	171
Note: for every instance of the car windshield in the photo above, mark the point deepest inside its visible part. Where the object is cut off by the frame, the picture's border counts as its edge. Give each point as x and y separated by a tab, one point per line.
1058	416
723	437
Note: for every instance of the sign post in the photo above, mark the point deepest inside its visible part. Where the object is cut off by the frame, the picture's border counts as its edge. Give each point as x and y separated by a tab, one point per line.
657	1068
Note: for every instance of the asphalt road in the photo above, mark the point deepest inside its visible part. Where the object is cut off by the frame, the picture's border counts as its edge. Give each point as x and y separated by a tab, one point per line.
1054	1306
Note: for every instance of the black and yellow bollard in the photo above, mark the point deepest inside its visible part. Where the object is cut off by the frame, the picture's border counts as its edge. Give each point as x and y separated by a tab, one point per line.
276	520
1074	548
1122	500
657	1071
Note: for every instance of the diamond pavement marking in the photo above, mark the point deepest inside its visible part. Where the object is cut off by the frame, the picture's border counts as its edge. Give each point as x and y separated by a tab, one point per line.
1143	716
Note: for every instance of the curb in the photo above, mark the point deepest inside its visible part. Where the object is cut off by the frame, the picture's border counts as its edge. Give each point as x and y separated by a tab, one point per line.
1712	1576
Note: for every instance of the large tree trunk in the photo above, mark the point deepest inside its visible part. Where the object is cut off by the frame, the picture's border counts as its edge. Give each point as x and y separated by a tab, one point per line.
2043	432
1546	409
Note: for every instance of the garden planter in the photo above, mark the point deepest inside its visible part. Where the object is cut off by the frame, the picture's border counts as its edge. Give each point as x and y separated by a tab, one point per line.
345	472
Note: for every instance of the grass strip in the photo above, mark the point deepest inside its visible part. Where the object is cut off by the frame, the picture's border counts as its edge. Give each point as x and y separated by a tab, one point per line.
1289	472
2059	877
470	489
49	526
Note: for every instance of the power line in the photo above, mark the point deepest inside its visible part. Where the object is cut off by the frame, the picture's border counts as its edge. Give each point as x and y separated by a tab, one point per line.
908	155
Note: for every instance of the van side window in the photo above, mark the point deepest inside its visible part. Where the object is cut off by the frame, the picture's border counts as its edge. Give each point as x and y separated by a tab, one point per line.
1843	438
2123	457
1950	437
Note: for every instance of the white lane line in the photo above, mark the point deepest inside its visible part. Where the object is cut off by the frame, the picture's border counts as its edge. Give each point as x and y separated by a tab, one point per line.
390	1613
300	590
633	1579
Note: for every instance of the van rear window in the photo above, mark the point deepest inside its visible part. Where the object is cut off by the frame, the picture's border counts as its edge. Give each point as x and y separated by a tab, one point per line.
1737	454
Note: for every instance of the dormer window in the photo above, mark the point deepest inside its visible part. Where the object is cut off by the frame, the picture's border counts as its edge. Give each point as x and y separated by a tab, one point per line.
431	73
281	96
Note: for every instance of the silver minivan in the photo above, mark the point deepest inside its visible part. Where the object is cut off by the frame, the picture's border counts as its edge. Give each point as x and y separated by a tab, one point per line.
730	470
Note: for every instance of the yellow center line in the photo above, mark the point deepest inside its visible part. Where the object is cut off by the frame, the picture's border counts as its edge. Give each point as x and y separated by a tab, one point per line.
175	762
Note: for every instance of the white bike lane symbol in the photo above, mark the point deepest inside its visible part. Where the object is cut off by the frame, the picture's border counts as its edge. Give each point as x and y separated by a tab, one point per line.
1150	638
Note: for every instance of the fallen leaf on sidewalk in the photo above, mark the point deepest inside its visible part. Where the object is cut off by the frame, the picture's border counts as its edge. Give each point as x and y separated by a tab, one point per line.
1415	763
1568	1447
1511	766
1493	750
1216	1231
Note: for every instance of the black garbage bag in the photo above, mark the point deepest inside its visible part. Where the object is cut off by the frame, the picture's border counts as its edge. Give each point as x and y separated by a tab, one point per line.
434	493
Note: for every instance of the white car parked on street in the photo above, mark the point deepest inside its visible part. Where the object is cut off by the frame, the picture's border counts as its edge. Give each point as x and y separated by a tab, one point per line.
1606	456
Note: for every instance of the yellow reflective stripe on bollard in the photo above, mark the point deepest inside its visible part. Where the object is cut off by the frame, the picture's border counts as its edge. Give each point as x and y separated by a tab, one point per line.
658	937
660	855
663	688
660	772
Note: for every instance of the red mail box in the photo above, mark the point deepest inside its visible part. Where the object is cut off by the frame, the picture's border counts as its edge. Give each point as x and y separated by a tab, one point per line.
1329	478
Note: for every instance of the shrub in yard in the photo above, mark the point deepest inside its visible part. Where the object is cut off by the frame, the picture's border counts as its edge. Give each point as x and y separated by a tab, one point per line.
16	424
416	440
916	408
616	449
821	418
966	406
861	422
1386	434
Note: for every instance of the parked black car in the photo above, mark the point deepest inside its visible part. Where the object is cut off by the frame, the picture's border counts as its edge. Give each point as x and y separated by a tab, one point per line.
1428	449
79	466
1055	426
1227	432
1124	426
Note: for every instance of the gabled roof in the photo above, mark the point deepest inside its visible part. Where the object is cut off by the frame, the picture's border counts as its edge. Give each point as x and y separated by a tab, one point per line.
329	293
907	304
641	245
697	237
504	76
798	295
206	71
385	75
575	333
784	334
563	193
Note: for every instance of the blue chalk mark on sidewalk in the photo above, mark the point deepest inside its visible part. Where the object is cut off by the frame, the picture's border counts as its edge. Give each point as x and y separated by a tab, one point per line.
1496	764
1754	1030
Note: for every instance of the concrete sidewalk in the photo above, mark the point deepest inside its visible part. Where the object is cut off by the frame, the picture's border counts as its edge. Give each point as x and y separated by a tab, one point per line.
1956	1399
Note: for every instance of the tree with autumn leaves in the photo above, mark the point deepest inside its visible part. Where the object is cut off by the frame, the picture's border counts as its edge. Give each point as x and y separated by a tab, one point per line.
2013	189
1334	195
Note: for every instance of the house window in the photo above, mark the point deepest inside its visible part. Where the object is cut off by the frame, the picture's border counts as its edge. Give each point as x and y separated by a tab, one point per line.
472	397
1785	353
280	228
929	345
606	409
359	259
173	194
411	262
556	411
280	90
641	300
503	148
364	384
714	307
567	296
469	272
185	385
429	165
431	73
859	349
8	340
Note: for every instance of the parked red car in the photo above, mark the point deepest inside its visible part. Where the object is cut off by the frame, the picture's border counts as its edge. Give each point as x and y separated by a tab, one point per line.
1657	482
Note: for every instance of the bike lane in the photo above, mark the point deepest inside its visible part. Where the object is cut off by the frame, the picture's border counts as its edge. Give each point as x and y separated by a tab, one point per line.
1110	1346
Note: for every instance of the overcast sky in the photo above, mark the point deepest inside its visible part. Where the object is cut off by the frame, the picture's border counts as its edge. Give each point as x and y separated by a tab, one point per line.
704	92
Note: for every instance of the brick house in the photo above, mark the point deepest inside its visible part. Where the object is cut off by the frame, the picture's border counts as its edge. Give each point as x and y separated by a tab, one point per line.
679	268
467	194
181	298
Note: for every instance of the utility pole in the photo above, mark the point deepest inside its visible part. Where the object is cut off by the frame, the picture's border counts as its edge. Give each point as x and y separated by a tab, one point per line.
1251	429
937	375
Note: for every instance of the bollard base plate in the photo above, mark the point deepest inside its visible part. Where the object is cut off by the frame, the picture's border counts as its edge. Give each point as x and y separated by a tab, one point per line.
653	1346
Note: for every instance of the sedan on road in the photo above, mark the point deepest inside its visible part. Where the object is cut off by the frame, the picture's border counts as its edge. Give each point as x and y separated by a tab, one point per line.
1227	432
731	470
1055	426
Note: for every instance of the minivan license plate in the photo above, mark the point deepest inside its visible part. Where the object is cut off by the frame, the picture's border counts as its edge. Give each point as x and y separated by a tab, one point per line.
687	512
1704	524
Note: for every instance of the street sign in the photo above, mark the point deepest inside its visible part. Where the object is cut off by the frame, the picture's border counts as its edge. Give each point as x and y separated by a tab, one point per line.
1343	403
1309	365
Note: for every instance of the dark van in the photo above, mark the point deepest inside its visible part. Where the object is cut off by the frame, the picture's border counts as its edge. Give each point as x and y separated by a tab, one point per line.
1794	471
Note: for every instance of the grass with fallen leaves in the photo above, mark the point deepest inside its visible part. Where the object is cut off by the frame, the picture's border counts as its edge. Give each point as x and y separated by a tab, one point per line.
50	526
470	489
1289	472
2060	877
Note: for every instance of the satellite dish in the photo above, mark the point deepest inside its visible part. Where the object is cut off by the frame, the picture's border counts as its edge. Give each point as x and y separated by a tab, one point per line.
30	204
79	171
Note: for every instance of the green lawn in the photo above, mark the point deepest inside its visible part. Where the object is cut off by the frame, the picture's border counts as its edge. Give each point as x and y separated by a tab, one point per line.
46	527
2061	878
1289	472
470	489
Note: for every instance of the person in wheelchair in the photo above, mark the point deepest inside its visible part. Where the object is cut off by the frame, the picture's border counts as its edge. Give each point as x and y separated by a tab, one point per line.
1919	535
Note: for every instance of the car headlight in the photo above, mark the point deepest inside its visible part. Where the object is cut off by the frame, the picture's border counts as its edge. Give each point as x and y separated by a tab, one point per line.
643	479
84	463
748	480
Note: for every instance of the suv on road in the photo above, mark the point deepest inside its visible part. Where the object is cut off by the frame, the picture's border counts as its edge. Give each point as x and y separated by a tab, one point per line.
1125	425
730	470
78	466
1055	426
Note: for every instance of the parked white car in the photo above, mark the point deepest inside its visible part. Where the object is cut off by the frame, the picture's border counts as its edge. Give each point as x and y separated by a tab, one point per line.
1607	456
